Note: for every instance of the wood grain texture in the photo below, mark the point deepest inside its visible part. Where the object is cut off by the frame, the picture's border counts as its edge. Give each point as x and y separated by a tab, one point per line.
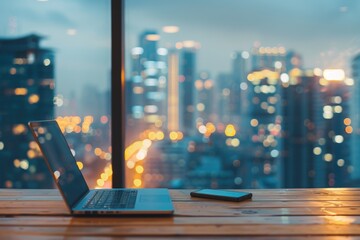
271	214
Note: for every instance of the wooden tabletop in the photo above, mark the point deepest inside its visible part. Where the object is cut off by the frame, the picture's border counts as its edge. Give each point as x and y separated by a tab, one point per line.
274	214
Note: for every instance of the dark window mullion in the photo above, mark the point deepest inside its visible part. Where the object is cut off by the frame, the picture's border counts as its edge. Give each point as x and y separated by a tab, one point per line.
117	93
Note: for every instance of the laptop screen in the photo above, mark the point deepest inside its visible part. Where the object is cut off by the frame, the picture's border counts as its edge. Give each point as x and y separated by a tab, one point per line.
60	160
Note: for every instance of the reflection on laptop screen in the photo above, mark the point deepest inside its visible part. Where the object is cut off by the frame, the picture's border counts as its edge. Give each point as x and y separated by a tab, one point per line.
61	161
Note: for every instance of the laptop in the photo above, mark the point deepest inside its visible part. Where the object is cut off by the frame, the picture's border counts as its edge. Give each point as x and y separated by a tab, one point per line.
76	193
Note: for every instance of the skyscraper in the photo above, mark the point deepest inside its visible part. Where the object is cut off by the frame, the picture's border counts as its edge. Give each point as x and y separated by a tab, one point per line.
173	112
187	81
300	104
335	132
149	80
26	93
238	85
266	119
265	112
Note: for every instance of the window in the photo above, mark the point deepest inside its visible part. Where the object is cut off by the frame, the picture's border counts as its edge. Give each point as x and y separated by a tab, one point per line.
242	94
222	94
55	63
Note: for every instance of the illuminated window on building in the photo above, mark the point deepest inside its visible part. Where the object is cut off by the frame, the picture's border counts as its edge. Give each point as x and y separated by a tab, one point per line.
54	64
242	94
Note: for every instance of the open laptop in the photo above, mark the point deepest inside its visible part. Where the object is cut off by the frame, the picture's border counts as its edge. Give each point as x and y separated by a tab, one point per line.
71	183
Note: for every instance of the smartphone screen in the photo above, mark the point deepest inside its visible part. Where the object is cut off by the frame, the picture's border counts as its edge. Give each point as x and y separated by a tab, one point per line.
221	194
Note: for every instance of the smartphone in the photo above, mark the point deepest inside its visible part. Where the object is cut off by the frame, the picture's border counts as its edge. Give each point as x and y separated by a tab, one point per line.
221	195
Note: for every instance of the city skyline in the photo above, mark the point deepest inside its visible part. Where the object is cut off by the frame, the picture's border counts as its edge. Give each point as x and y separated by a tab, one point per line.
294	127
246	116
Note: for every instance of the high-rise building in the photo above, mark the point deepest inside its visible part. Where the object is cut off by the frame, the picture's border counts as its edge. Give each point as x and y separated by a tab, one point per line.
239	96
187	81
265	124
265	115
335	131
136	83
265	91
239	72
26	93
238	85
149	81
300	107
173	112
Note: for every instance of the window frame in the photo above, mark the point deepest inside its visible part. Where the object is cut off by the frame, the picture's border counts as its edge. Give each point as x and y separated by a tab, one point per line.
117	94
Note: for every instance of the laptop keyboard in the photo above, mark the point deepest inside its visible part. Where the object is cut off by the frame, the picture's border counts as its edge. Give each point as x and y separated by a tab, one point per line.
105	199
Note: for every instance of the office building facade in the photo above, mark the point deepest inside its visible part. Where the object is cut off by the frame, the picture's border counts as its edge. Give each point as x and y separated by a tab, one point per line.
27	93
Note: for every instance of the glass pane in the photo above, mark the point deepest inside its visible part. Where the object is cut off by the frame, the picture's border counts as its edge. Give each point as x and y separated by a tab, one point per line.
242	94
54	63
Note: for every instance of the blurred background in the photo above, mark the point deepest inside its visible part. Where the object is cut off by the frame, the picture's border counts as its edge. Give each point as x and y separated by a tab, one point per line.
220	94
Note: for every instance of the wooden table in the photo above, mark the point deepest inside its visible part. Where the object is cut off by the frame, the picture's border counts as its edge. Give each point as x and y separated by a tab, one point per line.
275	214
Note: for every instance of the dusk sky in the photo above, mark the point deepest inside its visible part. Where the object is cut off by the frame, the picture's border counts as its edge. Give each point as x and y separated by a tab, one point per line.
325	32
79	31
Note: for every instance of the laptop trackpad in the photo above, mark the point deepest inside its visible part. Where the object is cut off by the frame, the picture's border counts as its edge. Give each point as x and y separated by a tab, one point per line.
154	198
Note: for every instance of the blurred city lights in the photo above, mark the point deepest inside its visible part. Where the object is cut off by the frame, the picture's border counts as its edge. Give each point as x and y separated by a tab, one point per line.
340	162
137	51
80	165
230	130
47	62
245	54
190	44
328	157
20	91
347	121
284	77
33	98
334	74
266	103
318	72
349	81
153	37
170	29
162	51
348	129
317	150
